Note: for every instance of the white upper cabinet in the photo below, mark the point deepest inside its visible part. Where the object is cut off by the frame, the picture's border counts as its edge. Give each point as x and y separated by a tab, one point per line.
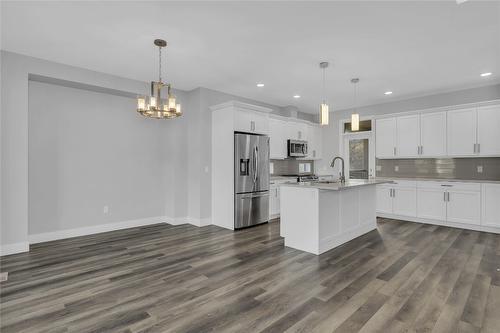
278	136
408	136
251	122
297	130
433	134
461	132
488	130
314	142
385	137
461	129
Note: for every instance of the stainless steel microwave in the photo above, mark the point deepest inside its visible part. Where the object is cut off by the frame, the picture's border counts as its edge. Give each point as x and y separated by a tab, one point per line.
297	148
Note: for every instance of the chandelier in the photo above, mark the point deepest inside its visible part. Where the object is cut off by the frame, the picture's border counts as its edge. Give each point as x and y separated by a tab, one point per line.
156	106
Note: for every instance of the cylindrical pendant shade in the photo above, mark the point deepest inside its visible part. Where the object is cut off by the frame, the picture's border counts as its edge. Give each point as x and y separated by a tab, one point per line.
323	114
355	122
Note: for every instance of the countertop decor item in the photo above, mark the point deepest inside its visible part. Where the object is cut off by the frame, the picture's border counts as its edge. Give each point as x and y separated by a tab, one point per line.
156	106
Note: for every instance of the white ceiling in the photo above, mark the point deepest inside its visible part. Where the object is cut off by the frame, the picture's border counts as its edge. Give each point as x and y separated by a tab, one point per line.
412	48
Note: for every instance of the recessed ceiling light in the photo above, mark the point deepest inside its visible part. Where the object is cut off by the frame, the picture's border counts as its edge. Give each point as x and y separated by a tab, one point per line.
260	85
296	96
388	93
485	74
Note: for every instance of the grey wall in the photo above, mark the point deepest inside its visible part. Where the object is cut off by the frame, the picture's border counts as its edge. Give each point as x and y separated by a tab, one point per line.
88	150
331	132
14	132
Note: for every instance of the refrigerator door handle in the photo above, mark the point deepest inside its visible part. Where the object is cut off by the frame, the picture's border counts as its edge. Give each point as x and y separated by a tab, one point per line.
256	195
254	164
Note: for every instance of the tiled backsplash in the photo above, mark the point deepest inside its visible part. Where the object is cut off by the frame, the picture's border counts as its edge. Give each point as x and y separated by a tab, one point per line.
446	168
291	167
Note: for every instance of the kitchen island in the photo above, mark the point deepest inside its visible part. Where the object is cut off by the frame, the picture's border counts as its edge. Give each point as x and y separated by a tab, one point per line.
319	216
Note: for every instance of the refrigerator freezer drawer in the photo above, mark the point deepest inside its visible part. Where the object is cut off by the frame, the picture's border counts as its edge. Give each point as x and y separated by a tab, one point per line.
251	209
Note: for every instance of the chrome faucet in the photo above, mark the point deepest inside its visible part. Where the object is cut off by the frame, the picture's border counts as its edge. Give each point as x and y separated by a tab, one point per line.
342	176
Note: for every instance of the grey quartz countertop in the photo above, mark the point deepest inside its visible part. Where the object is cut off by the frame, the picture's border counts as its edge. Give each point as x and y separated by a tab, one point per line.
337	186
439	180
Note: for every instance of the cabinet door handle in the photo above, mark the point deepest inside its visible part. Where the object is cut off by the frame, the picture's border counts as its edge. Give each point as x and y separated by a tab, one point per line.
448	196
393	192
444	196
475	149
478	147
390	192
394	151
421	150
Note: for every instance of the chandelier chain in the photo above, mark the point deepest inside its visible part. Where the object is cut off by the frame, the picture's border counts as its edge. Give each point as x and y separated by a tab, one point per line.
159	67
324	90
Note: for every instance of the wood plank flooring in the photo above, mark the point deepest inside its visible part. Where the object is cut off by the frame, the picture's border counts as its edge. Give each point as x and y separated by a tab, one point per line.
405	277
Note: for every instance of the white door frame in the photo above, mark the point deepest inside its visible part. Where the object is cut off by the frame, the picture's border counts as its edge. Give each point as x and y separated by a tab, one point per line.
344	146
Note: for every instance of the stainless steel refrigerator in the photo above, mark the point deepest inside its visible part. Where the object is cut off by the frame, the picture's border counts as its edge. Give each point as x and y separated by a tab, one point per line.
251	179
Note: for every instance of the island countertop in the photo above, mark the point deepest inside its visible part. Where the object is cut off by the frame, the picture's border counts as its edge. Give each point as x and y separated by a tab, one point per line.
338	186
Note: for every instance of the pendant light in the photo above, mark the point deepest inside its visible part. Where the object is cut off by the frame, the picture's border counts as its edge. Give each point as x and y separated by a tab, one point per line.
155	106
355	116
323	107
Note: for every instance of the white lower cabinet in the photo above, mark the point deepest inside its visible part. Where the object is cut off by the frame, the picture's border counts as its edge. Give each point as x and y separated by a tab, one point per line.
405	201
384	199
398	198
431	203
464	206
449	201
490	205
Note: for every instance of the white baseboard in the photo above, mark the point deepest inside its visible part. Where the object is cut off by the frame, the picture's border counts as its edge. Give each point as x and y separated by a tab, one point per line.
199	222
20	247
68	233
475	227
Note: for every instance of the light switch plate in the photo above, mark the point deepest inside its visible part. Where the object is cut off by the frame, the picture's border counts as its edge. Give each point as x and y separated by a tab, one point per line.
480	169
396	168
4	276
378	168
206	169
105	210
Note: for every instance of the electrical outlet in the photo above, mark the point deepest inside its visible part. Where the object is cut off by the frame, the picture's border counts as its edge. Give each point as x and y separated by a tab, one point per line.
105	210
206	169
396	168
480	169
378	168
4	276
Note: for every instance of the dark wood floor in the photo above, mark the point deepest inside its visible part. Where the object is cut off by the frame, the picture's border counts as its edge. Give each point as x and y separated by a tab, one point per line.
404	277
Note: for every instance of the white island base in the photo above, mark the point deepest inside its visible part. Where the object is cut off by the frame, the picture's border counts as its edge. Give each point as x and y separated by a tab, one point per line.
316	219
